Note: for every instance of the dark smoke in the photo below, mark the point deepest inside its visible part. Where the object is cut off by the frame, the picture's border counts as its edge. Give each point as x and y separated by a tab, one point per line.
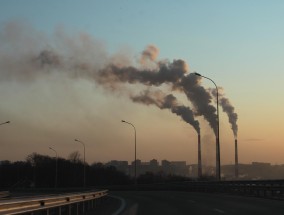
200	98
167	102
228	109
175	74
26	54
167	73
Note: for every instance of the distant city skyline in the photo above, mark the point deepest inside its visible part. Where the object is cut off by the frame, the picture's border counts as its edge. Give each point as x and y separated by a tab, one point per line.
246	171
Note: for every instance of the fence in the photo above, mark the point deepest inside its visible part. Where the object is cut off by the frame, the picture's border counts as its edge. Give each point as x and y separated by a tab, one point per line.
273	189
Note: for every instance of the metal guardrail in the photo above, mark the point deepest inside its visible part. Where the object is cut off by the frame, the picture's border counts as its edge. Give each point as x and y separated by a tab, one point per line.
273	189
74	203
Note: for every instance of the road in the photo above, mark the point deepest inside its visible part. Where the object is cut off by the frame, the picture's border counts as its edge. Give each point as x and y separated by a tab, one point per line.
179	203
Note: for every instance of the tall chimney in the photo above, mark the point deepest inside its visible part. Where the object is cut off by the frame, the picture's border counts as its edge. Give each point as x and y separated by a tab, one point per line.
236	159
199	158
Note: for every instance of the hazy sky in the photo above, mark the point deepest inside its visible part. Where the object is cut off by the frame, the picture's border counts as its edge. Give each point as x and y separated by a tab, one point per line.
238	44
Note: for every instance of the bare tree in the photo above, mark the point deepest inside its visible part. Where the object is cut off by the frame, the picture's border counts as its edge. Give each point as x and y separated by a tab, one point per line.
75	157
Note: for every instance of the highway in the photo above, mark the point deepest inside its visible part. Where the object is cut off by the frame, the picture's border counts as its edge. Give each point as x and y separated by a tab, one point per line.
184	203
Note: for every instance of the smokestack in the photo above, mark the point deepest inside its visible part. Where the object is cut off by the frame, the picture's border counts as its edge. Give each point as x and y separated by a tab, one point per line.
199	158
236	160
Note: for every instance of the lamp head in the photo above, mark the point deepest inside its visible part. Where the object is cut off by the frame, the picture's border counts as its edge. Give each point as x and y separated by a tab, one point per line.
195	73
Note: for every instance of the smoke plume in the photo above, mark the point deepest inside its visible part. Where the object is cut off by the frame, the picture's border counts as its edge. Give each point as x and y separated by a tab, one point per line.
200	98
150	53
172	73
227	108
170	102
167	72
27	54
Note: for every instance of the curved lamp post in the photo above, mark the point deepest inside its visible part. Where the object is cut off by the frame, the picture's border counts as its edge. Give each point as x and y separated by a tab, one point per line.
84	161
218	166
135	163
56	167
4	123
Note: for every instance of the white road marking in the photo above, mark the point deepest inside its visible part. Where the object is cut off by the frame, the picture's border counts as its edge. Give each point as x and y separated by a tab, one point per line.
218	210
122	205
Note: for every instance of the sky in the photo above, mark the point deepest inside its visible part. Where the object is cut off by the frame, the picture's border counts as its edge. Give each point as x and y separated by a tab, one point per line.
238	44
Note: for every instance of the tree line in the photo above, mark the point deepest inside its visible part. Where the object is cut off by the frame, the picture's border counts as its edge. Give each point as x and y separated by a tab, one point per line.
42	171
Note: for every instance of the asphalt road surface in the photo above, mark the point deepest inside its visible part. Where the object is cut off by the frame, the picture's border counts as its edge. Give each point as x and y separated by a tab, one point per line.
179	203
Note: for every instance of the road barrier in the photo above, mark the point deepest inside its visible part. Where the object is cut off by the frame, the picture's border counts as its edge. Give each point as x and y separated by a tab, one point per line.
273	189
74	203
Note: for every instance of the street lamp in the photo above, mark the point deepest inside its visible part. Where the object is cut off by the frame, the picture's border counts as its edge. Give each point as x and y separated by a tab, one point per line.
84	161
56	168
218	166
4	123
135	162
